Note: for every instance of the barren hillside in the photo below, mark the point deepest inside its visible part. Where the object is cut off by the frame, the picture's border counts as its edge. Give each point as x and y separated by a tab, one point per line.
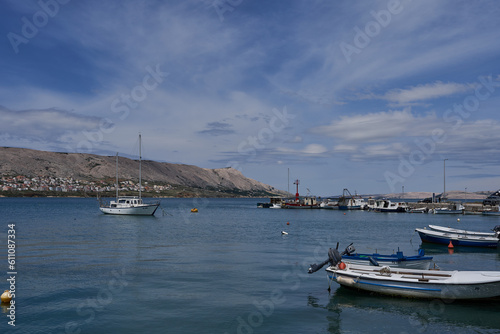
19	161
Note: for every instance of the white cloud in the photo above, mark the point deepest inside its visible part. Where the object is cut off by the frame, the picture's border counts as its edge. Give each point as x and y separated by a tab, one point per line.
425	92
376	127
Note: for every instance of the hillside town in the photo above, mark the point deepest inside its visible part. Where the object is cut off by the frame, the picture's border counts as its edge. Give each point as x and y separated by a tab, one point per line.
21	183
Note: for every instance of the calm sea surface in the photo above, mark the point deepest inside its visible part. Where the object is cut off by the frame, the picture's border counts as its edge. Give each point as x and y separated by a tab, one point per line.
225	269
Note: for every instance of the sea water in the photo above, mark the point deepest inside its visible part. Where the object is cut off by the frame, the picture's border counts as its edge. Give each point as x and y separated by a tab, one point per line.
225	269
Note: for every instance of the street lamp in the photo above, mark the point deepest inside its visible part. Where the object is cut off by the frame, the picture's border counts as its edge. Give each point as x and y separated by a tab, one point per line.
444	179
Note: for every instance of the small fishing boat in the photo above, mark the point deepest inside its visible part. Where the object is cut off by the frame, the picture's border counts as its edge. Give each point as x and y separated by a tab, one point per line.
417	283
419	210
457	239
456	209
495	230
350	202
389	206
398	260
301	202
329	204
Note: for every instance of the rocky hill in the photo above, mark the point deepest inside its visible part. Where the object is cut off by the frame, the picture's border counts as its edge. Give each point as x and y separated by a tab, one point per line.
27	162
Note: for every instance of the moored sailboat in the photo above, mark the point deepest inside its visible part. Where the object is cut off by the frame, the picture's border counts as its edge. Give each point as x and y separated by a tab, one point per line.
129	205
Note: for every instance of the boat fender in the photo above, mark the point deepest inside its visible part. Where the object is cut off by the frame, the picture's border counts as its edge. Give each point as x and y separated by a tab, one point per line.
6	296
385	270
373	261
345	281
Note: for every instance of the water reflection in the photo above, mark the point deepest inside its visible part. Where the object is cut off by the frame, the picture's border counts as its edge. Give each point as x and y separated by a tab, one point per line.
418	314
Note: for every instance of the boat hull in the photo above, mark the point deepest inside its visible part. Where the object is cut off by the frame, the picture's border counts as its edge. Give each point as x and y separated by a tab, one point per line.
420	283
448	212
457	239
300	206
349	207
143	210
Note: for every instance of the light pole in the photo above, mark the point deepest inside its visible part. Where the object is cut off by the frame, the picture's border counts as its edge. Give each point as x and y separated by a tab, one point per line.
444	179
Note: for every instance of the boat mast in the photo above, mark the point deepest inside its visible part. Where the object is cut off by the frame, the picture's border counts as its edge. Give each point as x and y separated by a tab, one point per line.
116	177
140	160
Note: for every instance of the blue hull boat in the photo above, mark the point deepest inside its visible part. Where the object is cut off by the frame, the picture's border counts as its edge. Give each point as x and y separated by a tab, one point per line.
457	239
397	260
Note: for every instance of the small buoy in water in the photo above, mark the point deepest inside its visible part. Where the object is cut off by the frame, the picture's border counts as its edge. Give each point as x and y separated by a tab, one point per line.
6	296
283	232
288	223
458	219
341	265
344	213
194	210
450	245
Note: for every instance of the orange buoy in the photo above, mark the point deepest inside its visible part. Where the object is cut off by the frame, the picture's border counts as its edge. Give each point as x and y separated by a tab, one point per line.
6	296
344	213
450	245
288	223
341	265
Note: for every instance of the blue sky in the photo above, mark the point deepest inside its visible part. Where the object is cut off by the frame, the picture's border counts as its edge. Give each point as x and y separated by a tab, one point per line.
366	95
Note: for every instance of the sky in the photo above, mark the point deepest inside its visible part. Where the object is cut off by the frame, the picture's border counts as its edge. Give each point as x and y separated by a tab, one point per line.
373	96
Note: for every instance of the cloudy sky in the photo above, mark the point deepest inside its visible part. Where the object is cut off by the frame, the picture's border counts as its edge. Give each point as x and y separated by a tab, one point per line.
372	96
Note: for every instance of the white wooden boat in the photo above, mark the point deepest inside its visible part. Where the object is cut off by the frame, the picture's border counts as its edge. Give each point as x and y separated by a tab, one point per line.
457	209
129	205
457	239
459	231
417	283
419	210
329	204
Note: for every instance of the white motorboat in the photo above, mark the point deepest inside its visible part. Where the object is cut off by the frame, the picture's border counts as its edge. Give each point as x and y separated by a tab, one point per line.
457	209
460	231
350	202
329	204
129	205
389	206
457	239
419	210
417	283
